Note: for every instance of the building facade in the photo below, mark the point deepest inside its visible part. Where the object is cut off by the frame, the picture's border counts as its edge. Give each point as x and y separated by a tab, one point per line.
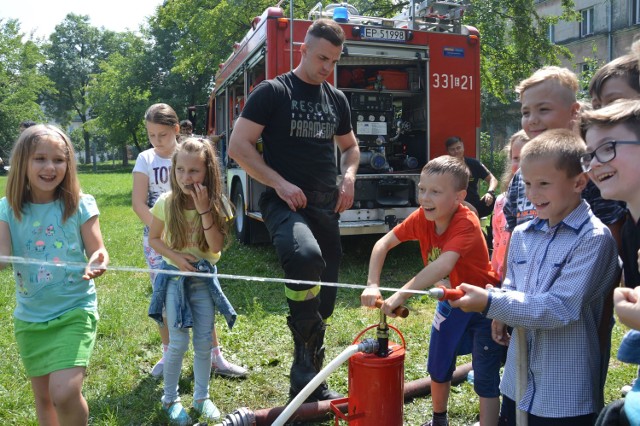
607	30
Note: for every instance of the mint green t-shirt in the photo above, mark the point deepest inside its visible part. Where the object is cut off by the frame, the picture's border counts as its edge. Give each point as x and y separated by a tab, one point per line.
43	291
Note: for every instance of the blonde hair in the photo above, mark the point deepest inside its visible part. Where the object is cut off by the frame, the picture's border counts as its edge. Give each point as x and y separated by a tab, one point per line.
562	145
622	111
176	222
561	77
18	187
507	174
447	164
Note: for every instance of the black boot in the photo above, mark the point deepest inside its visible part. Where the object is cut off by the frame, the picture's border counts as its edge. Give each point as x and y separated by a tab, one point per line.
318	362
308	335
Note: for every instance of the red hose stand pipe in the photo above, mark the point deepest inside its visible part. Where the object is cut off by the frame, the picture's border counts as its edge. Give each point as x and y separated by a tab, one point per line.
376	387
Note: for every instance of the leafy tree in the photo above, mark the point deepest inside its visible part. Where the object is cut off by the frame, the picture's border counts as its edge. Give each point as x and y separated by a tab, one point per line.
514	43
191	38
21	83
74	52
120	94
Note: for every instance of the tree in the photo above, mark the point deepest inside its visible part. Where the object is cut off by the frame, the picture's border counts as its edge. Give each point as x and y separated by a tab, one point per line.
74	52
120	95
191	38
21	83
514	42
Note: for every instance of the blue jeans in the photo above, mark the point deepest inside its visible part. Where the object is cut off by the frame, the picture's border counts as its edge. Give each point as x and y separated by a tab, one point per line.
198	296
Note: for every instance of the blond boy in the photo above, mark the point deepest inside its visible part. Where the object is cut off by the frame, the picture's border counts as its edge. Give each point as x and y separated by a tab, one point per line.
560	268
548	101
452	245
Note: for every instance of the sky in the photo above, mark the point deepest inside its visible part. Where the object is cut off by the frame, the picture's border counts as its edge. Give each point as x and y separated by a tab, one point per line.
43	15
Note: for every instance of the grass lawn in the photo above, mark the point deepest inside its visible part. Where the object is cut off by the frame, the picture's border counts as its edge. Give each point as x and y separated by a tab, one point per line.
118	386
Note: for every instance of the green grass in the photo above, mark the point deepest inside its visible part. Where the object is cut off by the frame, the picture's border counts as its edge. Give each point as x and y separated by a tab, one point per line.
121	392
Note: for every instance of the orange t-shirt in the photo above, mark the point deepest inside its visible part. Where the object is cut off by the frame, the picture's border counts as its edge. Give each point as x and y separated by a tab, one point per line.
463	236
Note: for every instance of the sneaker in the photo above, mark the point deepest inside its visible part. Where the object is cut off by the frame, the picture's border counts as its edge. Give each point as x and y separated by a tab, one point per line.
177	414
230	370
207	409
158	369
627	388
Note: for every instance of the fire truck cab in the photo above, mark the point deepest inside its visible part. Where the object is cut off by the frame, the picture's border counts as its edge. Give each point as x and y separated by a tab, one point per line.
412	81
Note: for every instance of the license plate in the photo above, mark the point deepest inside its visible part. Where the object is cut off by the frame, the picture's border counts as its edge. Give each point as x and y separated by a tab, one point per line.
387	34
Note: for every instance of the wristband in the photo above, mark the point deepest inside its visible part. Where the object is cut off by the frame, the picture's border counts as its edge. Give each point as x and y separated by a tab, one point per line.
492	192
203	213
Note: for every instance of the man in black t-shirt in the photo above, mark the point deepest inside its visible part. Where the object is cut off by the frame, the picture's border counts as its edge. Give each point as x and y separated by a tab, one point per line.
484	205
477	171
300	118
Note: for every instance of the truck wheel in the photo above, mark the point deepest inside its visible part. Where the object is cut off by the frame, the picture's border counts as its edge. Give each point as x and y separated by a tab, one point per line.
241	220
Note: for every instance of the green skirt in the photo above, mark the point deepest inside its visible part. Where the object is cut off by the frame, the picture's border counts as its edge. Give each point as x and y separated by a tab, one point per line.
63	342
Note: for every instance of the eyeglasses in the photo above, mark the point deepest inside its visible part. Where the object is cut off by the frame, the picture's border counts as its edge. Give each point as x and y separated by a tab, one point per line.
604	153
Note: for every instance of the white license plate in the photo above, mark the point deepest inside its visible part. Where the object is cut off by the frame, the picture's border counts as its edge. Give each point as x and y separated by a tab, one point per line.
388	34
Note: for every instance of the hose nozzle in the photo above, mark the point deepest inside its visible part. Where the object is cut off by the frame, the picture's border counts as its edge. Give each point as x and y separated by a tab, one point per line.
443	293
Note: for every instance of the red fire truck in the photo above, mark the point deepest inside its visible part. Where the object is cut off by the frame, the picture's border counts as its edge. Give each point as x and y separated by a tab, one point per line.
412	81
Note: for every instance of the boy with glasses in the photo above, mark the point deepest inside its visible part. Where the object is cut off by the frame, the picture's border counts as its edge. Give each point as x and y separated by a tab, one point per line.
613	150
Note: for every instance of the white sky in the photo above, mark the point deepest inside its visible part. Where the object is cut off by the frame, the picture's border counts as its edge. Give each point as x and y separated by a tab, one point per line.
43	15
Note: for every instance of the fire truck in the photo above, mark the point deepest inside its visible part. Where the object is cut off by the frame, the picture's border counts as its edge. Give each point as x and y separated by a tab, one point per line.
412	81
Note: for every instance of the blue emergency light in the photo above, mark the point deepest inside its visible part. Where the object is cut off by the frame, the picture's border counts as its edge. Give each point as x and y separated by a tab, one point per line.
341	14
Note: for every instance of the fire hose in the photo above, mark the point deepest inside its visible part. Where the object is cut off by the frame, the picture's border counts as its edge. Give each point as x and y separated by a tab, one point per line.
367	346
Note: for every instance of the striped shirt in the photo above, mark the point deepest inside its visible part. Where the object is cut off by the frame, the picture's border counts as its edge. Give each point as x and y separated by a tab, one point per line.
556	283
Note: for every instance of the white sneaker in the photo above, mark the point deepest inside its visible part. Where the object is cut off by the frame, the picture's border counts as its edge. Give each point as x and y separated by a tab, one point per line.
230	370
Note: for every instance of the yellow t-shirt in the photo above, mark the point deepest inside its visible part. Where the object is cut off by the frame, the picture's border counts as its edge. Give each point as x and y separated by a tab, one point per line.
192	247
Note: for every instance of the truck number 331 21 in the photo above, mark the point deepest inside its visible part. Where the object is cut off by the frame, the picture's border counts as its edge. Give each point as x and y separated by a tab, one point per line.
450	81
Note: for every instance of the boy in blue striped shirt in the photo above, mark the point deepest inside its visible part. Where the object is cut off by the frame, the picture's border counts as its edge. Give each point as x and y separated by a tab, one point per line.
561	266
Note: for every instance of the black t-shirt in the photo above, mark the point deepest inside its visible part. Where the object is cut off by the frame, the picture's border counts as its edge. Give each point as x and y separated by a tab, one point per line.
630	246
300	121
477	172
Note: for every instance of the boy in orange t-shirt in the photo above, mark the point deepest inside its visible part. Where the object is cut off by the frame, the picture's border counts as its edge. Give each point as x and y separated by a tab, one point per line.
452	247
